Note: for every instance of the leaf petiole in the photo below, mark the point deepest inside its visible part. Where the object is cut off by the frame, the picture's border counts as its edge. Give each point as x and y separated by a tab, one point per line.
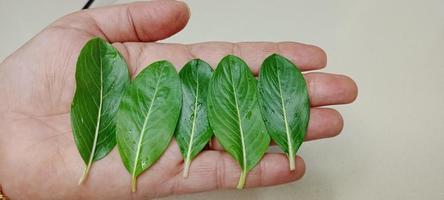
85	173
186	168
133	184
242	179
291	161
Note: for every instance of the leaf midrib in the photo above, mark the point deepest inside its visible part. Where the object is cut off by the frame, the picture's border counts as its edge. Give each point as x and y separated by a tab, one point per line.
139	144
99	115
284	113
244	155
190	145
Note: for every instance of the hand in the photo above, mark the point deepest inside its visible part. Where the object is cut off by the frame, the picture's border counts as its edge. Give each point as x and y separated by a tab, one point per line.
38	156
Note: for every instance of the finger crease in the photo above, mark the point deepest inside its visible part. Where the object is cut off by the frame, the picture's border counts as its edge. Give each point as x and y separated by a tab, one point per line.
175	185
69	27
277	47
125	53
220	171
131	23
235	49
312	88
190	53
141	52
96	26
261	173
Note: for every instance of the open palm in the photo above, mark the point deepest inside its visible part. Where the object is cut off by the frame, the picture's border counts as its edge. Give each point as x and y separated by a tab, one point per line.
38	156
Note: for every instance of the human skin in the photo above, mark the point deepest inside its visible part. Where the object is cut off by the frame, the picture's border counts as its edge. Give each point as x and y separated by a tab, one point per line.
38	156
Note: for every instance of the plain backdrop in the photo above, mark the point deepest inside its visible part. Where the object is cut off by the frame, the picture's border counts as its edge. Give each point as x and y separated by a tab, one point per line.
392	145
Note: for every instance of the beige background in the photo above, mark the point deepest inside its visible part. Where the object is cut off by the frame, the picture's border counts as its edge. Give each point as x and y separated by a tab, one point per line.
393	143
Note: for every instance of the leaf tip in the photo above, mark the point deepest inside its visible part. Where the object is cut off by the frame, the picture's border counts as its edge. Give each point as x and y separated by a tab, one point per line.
274	55
230	57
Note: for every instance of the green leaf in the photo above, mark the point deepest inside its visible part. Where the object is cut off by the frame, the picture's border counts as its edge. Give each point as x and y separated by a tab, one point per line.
101	78
234	114
193	130
285	104
147	117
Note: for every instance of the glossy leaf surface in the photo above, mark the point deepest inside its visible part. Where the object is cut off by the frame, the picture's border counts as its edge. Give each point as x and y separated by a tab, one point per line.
101	78
234	114
147	117
285	104
193	130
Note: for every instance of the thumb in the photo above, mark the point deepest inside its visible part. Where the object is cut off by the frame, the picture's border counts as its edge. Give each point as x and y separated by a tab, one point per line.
133	22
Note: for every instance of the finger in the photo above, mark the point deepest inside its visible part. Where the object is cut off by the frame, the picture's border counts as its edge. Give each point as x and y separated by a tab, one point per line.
217	170
324	123
323	88
306	57
330	89
139	55
140	21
